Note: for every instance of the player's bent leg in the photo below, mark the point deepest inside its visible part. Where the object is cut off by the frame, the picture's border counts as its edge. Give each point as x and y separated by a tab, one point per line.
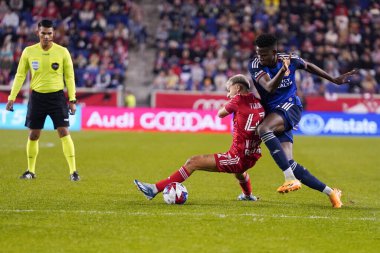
245	184
201	162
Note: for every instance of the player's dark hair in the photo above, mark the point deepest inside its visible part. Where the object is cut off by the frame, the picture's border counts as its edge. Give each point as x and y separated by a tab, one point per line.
240	79
45	23
266	40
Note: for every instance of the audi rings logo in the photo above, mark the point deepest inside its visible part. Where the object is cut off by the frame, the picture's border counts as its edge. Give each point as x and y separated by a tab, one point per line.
312	124
208	104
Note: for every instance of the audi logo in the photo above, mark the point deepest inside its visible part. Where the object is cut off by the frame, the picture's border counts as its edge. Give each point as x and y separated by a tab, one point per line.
208	104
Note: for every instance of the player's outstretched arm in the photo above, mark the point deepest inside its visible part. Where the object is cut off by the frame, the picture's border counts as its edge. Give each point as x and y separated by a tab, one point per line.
345	78
342	79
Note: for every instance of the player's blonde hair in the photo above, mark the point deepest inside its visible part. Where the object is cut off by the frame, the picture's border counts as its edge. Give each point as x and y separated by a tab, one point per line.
239	79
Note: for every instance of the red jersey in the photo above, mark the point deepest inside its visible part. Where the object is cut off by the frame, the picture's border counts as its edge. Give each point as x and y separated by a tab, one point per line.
247	115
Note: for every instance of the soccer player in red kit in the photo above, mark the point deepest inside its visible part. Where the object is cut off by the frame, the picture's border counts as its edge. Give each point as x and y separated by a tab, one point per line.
244	151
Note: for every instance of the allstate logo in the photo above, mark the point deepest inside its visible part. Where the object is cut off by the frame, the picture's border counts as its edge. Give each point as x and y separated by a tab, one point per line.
312	124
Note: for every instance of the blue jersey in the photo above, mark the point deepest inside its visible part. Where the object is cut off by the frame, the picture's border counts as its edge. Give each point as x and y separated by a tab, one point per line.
286	92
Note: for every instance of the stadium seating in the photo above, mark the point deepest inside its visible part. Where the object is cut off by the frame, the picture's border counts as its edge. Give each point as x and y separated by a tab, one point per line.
85	27
335	35
199	44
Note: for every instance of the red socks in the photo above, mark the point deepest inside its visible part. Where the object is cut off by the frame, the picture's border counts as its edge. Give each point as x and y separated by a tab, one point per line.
178	176
245	184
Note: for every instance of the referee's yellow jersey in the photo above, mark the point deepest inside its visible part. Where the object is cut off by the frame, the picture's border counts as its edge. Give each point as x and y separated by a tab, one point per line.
48	68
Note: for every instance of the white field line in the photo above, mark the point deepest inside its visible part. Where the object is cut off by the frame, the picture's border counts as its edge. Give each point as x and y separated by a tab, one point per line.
220	215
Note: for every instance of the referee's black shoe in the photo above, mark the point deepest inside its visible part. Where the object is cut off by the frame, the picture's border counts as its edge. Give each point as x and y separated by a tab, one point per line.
74	176
28	175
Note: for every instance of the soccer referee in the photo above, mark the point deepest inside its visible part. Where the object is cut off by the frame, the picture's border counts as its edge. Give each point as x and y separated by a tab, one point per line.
51	68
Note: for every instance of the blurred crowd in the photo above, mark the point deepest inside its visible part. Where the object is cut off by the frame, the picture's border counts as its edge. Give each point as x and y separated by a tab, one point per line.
200	44
97	34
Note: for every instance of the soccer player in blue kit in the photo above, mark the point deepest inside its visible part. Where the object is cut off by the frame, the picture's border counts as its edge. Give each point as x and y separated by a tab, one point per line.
273	75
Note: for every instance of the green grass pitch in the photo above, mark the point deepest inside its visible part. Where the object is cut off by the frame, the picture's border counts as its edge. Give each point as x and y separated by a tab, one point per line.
104	212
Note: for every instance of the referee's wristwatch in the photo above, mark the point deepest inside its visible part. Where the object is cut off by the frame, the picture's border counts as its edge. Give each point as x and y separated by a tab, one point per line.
73	101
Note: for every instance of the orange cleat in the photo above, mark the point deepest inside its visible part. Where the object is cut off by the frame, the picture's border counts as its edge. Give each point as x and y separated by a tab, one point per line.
335	198
289	186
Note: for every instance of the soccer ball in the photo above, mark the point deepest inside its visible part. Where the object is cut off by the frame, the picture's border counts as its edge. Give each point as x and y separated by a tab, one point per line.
175	193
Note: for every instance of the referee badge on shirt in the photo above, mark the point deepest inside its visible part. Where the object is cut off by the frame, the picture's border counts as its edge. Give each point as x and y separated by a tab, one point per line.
35	65
54	65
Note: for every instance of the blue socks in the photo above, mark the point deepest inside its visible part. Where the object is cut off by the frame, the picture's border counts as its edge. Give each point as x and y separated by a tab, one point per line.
275	149
306	177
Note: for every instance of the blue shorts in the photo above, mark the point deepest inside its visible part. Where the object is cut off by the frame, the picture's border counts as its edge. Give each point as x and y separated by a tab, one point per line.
291	114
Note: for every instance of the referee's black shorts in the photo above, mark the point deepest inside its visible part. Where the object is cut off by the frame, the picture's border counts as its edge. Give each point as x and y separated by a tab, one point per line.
41	105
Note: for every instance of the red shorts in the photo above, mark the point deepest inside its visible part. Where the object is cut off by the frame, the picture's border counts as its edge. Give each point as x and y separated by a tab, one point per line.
231	163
